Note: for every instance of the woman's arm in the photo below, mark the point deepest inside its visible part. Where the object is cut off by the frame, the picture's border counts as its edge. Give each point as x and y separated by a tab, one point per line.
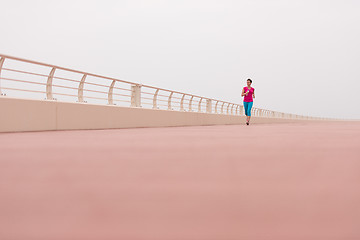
254	93
243	93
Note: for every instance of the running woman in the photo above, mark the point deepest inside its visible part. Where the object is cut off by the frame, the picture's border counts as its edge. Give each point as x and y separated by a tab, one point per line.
248	93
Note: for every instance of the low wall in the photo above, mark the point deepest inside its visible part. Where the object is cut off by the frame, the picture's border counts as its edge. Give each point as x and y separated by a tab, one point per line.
41	115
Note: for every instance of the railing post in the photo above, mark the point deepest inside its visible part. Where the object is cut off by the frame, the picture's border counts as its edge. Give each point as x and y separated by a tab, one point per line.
199	106
169	100
237	107
190	103
222	108
49	93
208	106
227	109
1	64
232	106
182	103
136	95
81	89
110	94
155	99
216	104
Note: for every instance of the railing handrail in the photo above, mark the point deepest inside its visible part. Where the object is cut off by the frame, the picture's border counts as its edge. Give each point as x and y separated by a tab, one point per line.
135	92
101	76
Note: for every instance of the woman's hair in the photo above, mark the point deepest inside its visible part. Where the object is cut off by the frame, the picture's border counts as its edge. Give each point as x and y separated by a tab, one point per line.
249	80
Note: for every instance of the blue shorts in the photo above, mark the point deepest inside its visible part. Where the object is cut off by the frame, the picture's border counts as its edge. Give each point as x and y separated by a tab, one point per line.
247	108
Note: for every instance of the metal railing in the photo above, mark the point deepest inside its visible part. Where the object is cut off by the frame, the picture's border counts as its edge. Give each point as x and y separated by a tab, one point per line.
30	79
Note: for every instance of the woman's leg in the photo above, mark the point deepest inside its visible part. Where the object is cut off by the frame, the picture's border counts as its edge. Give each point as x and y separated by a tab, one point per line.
250	104
246	108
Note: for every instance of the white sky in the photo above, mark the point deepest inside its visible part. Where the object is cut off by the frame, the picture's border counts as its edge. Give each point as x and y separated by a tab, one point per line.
303	56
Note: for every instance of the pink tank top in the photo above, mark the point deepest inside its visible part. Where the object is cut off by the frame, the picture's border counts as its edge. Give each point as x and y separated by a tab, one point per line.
249	97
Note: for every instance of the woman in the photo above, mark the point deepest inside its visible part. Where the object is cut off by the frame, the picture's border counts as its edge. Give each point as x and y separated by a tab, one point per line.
248	93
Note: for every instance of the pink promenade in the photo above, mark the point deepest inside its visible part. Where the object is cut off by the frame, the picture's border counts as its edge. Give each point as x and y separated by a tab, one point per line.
261	182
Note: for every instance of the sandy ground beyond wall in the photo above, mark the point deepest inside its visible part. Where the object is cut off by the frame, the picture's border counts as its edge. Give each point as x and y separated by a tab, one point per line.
259	182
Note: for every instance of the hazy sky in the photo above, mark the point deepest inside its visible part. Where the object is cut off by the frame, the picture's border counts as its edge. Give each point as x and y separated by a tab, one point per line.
303	56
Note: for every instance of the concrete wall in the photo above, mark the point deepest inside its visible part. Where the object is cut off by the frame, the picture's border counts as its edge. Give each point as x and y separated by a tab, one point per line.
40	115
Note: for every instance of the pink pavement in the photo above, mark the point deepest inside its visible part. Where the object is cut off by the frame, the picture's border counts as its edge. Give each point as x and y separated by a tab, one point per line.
259	182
